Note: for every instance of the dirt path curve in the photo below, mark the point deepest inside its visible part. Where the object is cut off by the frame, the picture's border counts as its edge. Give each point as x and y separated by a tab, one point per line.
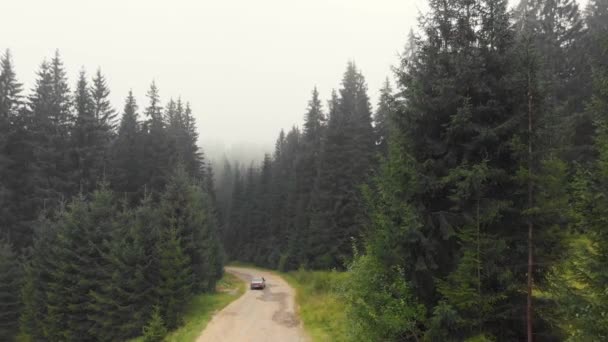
257	316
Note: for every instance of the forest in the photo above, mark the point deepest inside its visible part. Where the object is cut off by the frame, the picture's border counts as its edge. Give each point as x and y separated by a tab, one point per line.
108	226
471	203
467	203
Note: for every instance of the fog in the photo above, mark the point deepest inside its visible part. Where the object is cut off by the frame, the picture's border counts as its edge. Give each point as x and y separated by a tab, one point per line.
247	67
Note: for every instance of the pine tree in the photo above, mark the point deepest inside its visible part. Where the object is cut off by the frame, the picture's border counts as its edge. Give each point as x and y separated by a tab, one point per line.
235	219
385	305
37	275
10	88
127	153
188	210
10	102
84	136
225	185
105	122
10	282
181	128
77	268
382	117
345	165
583	304
155	165
50	105
175	278
123	302
307	167
155	330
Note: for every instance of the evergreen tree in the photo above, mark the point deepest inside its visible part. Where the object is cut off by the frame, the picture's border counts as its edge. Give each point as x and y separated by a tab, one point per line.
77	268
155	164
10	101
123	302
307	167
10	282
155	330
382	117
181	128
37	276
10	89
50	106
127	152
105	122
225	186
387	304
188	210
84	136
174	289
583	302
345	165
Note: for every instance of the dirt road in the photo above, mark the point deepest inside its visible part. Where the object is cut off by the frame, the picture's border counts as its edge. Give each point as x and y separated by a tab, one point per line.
259	315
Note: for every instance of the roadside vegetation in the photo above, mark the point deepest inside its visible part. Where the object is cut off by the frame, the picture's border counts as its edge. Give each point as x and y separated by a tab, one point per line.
321	308
201	309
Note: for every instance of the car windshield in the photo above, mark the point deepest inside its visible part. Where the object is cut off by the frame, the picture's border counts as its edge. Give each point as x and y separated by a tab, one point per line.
256	280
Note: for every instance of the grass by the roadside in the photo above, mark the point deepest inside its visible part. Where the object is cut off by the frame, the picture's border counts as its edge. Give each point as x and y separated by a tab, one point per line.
321	309
202	307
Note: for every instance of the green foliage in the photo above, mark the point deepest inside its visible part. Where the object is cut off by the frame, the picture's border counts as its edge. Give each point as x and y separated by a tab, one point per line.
10	283
175	283
126	153
345	164
201	308
579	283
381	305
124	302
155	330
187	209
93	269
321	304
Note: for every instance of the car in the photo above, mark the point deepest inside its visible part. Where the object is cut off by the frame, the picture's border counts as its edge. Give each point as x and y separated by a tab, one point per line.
258	283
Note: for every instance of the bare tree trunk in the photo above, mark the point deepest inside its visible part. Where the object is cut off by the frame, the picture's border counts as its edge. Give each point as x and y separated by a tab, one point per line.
479	264
529	308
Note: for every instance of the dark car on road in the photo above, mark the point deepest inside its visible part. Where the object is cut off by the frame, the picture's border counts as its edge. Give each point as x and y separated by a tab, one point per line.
258	283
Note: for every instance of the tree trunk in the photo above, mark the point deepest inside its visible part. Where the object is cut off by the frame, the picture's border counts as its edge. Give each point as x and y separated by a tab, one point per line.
529	308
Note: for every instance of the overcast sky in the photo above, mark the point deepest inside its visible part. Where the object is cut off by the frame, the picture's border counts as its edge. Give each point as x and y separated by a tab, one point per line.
247	67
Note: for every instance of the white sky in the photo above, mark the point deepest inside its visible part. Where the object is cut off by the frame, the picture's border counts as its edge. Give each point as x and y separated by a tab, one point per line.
247	67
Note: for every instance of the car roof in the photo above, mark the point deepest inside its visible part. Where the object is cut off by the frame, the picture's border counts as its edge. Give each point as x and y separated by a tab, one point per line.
257	278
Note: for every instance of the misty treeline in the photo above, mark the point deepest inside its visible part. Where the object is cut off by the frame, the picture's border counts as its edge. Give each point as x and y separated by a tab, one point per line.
107	223
472	204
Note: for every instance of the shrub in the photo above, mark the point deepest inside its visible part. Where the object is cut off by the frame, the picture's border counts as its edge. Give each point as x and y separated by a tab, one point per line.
155	330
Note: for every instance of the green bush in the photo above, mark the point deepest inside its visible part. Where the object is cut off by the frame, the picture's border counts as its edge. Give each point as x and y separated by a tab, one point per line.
155	330
380	305
321	307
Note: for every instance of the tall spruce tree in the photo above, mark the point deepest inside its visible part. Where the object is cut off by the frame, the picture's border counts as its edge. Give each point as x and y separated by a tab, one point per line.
84	136
187	210
77	268
174	289
579	284
382	117
10	283
306	172
127	153
10	102
346	162
50	104
105	123
155	165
